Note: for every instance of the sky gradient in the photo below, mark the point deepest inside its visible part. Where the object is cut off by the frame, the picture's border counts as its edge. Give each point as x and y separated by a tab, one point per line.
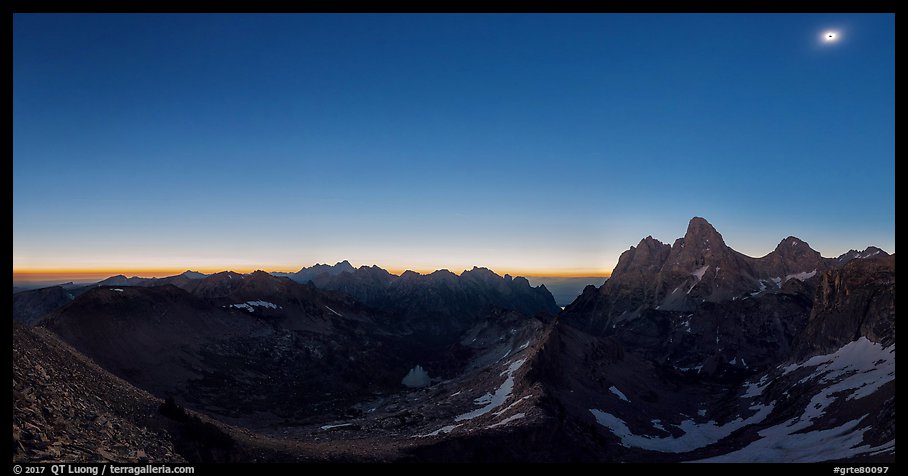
530	144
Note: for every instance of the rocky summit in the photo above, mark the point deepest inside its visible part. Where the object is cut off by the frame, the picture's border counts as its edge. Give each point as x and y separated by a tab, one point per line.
691	351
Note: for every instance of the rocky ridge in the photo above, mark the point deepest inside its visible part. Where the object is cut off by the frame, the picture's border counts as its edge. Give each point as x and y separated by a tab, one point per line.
65	408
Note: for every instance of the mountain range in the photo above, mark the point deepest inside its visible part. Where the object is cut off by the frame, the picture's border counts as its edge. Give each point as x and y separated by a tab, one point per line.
688	352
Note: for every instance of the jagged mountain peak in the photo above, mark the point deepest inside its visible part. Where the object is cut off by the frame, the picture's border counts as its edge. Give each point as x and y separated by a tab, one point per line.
442	275
650	242
480	273
120	280
649	254
338	267
114	280
699	267
700	233
522	281
344	267
794	245
225	275
190	274
869	252
791	241
373	270
480	269
259	274
305	274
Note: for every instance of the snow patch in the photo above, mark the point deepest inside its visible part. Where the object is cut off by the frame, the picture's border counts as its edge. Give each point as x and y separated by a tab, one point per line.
688	369
617	392
499	413
695	435
507	420
802	276
780	445
335	312
493	401
251	305
328	427
698	273
444	429
756	389
117	290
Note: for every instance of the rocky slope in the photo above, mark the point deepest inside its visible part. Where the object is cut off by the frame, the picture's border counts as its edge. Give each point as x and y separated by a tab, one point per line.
65	408
30	306
149	336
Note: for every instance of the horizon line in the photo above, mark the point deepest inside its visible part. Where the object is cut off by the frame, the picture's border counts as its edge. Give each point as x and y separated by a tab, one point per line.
68	274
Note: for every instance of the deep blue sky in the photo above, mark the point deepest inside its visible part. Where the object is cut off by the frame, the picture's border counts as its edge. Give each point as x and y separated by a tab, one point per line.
518	142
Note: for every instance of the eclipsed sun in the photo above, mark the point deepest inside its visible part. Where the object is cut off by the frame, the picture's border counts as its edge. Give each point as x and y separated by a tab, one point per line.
830	36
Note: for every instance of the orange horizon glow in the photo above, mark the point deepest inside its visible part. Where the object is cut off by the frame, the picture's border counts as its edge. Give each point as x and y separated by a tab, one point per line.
69	274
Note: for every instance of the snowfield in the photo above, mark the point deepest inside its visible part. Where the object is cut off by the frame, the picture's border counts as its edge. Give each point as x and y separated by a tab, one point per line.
855	371
695	435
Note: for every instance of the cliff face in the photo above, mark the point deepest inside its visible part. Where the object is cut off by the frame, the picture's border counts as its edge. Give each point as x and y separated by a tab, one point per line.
635	281
853	301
